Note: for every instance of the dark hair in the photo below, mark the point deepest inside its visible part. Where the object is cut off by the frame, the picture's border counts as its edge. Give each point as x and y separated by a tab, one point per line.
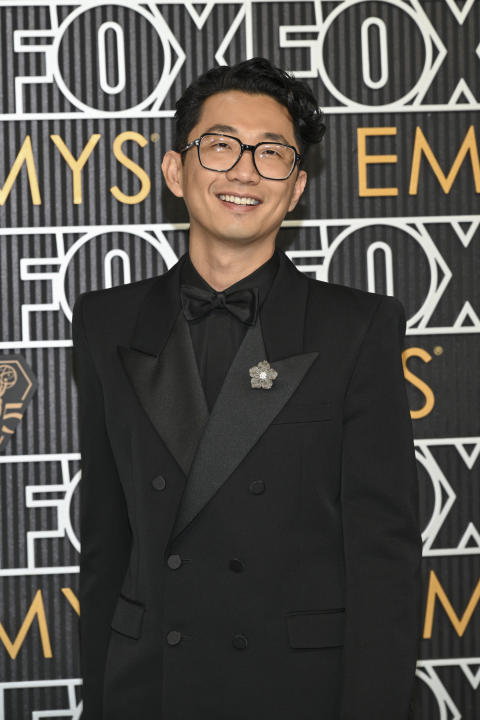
256	76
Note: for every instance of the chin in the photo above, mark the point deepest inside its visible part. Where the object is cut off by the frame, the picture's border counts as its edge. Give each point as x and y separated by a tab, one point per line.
235	238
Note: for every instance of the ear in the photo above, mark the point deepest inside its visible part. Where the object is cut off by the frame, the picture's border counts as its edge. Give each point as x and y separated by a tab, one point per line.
172	169
298	189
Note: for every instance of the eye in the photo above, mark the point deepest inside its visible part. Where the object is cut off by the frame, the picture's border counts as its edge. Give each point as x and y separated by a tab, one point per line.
274	152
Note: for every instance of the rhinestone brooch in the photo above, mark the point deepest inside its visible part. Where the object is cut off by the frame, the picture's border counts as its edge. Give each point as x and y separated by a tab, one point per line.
262	375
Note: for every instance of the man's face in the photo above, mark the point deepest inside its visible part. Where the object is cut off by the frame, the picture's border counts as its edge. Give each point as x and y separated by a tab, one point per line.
253	119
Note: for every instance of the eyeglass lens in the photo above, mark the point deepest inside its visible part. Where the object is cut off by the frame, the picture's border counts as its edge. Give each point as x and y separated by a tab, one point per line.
221	153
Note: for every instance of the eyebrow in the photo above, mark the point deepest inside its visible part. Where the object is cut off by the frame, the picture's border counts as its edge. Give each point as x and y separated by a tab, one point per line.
267	135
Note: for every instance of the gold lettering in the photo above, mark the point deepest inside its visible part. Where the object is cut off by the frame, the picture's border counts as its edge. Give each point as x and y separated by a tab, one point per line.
422	386
435	590
36	610
76	166
421	147
24	156
364	160
132	166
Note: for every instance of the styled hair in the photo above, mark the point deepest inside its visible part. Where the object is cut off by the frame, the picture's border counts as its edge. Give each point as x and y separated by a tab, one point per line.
256	76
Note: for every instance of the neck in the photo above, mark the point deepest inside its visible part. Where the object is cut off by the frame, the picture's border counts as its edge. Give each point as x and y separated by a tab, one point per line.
222	265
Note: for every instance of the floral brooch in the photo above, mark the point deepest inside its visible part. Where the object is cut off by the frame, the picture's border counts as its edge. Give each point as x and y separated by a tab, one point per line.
262	375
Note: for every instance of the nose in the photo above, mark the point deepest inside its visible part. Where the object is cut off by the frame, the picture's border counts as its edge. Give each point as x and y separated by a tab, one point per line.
244	170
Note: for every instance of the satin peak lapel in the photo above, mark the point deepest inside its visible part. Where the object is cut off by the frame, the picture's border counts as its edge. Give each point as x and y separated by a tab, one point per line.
241	414
163	371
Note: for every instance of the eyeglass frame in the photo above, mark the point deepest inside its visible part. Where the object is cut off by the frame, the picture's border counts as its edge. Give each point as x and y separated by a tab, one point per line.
243	146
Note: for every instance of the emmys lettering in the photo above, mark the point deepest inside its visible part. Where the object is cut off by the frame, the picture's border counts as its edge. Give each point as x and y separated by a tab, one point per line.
26	157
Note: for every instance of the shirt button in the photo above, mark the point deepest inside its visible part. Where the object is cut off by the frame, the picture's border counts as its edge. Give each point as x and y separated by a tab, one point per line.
174	637
174	561
236	565
240	642
257	487
158	483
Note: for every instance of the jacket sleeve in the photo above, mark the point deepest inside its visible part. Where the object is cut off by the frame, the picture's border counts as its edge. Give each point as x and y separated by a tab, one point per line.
105	534
382	536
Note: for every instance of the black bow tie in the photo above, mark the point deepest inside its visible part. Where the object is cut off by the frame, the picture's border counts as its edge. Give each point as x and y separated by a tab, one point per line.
243	303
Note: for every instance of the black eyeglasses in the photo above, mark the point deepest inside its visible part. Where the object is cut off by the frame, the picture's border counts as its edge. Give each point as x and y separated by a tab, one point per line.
220	153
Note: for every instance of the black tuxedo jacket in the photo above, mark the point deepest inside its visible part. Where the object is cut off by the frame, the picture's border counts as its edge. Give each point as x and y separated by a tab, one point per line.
261	562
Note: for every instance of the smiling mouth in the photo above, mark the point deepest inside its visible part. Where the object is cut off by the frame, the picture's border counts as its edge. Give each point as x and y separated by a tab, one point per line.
237	200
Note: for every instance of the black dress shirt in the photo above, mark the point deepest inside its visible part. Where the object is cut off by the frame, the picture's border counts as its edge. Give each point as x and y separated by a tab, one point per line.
217	335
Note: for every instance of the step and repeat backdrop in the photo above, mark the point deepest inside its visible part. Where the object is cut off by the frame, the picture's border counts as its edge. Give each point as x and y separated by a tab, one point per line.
87	95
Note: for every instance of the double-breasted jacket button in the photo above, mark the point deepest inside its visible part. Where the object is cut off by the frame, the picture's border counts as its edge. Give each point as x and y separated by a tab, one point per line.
173	637
257	487
158	483
236	565
240	642
174	561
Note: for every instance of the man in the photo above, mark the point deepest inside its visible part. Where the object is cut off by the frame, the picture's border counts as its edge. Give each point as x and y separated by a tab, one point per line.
249	503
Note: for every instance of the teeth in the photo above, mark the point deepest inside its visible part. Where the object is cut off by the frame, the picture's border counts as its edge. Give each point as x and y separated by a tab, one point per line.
239	200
